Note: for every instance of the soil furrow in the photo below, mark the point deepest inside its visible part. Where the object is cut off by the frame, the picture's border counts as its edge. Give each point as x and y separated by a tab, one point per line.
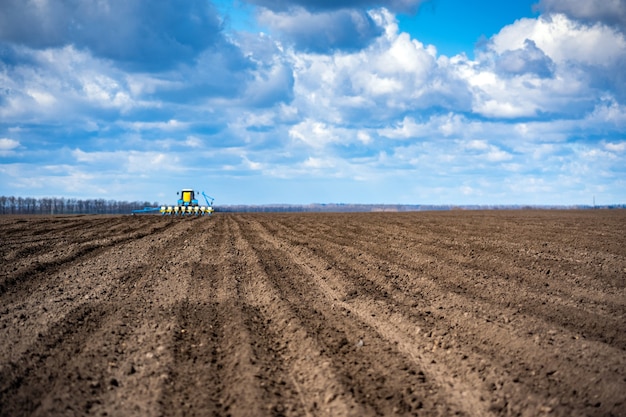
195	382
604	324
507	313
37	383
147	322
485	254
315	382
355	349
18	277
88	279
106	357
455	326
228	362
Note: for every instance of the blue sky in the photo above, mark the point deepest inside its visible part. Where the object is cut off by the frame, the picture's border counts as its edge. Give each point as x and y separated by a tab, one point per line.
315	101
456	27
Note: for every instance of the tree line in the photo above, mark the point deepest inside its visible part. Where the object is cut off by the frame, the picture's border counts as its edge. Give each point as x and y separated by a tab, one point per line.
61	205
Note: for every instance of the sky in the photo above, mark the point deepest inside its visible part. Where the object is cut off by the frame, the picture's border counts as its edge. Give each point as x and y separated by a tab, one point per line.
315	101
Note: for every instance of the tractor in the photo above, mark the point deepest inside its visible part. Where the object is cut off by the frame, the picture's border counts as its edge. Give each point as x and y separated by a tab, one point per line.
186	205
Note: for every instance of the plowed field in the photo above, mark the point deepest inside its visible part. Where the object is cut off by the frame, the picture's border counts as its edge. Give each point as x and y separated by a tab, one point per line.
431	314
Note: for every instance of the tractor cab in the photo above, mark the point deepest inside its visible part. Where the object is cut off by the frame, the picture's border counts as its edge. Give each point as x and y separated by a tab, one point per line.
187	198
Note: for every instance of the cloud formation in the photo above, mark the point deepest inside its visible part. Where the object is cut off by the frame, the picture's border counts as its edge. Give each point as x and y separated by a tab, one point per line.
323	25
142	34
344	29
526	60
336	103
609	12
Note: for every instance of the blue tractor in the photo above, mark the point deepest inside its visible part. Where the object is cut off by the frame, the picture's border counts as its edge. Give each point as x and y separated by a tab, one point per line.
187	204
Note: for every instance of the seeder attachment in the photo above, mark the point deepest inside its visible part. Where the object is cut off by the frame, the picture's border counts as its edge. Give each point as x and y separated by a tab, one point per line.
188	205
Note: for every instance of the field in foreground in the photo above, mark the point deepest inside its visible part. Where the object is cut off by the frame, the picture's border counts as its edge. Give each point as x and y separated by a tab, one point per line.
431	314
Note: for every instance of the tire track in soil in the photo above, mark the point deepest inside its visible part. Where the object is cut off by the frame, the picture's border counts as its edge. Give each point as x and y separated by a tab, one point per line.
550	295
39	241
278	395
25	386
194	383
505	359
389	312
307	375
219	346
382	379
195	379
47	228
70	367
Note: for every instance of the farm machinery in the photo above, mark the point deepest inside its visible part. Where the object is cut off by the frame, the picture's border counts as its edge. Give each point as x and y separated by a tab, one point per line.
187	205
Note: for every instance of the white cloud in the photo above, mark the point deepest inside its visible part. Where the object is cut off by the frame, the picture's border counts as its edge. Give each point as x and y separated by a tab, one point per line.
317	163
477	144
314	134
616	147
7	144
608	112
364	137
130	161
404	6
498	155
564	40
42	98
437	126
270	85
393	74
551	64
193	142
105	92
139	34
62	84
521	74
504	106
533	185
251	165
169	125
597	154
322	31
487	151
526	60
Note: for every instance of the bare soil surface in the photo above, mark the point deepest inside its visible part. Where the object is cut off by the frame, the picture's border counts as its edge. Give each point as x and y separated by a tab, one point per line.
478	313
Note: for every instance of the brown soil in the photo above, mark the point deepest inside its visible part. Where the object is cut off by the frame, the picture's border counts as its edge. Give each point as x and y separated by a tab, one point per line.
431	314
